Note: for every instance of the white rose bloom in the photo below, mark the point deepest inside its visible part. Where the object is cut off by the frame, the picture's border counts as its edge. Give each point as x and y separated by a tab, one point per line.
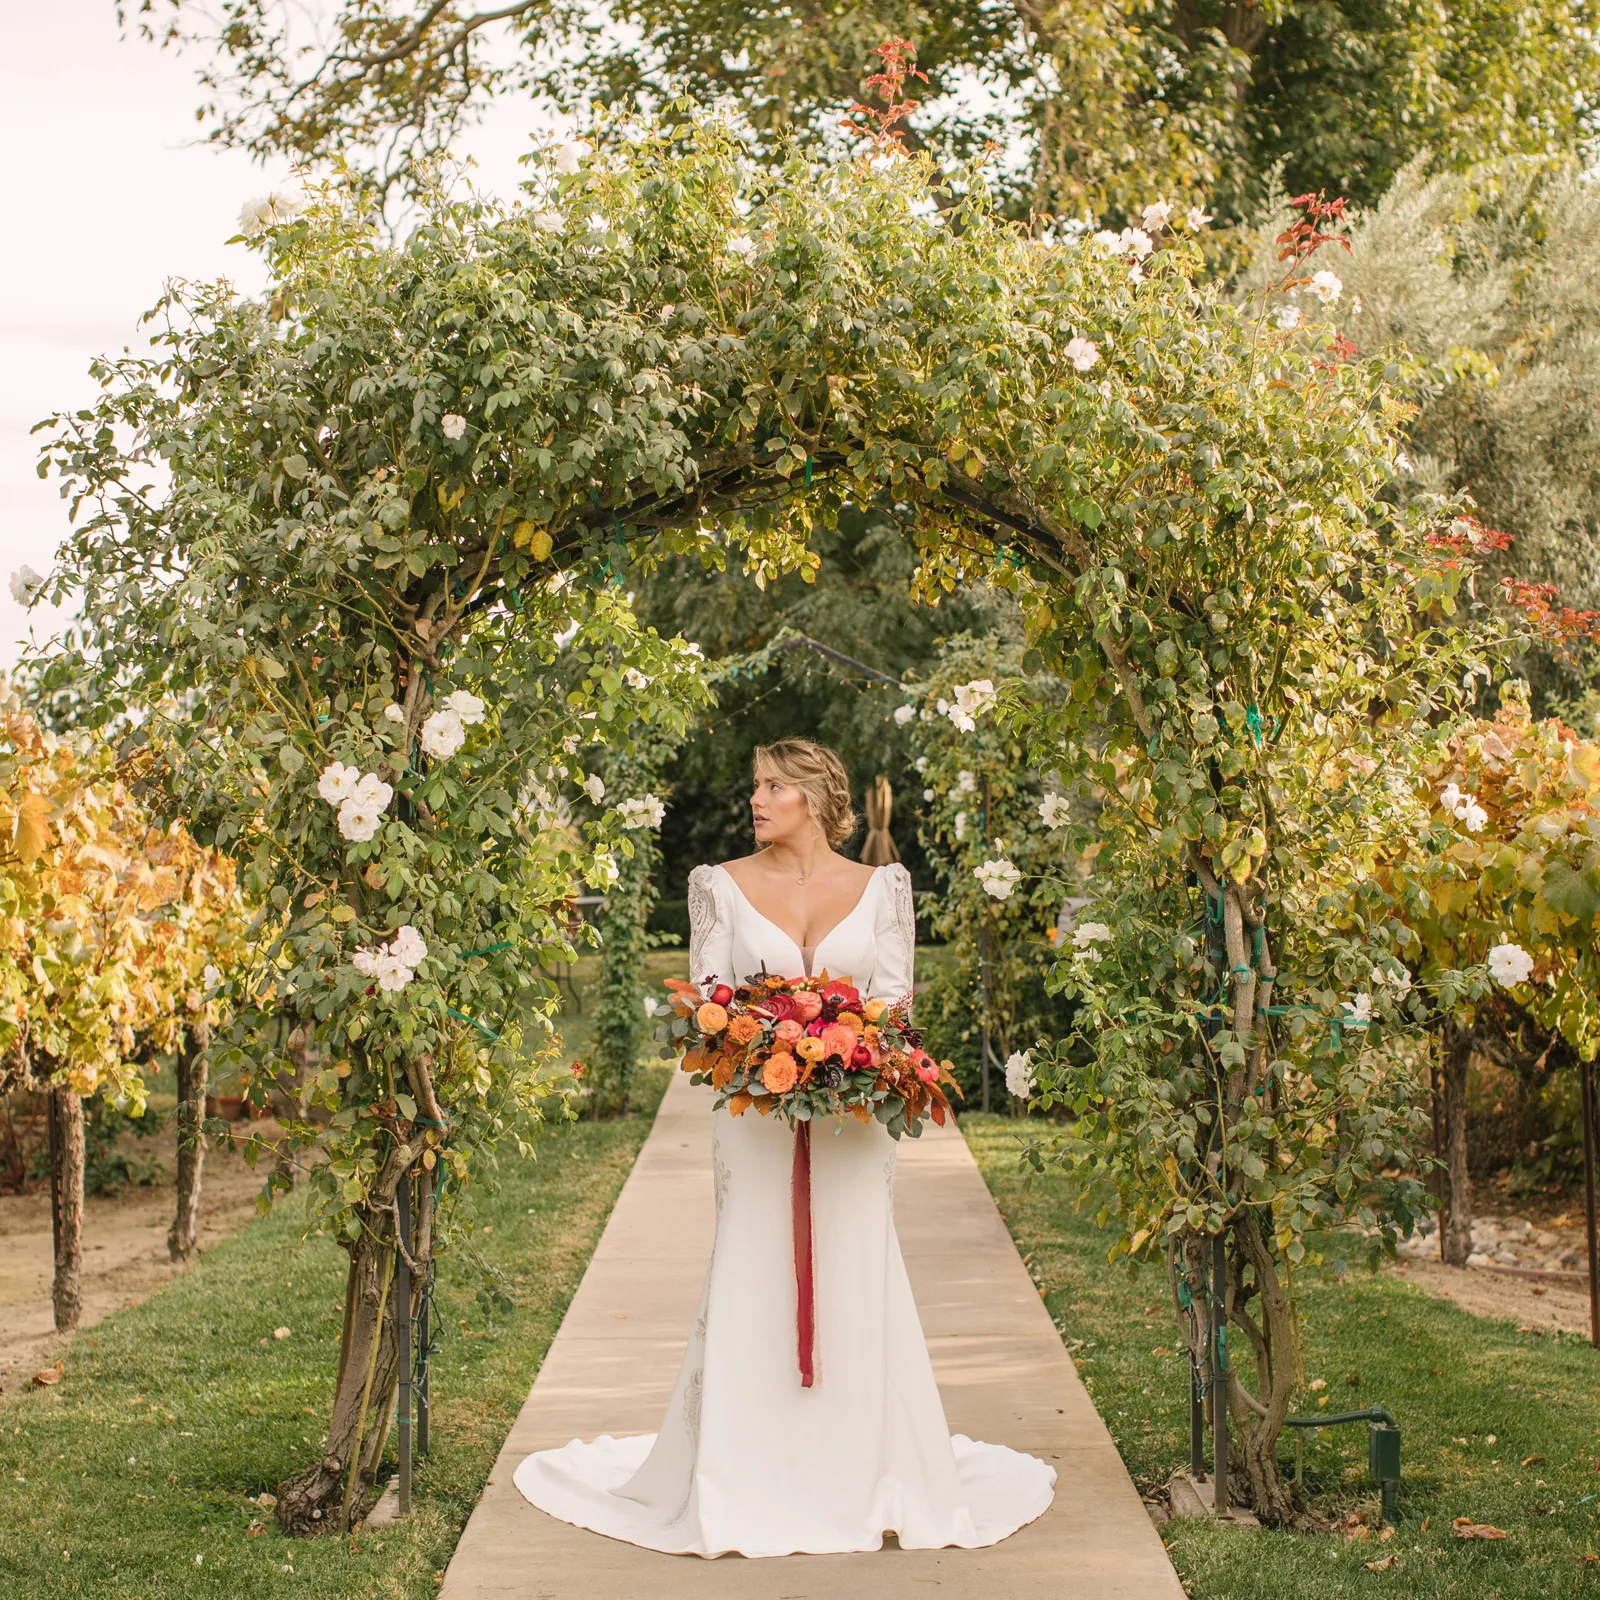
741	244
1358	1010
443	734
453	425
1019	1075
604	872
211	976
904	714
391	972
548	221
373	791
25	584
1055	811
941	705
1450	797
594	786
976	697
998	877
1509	964
1091	933
927	794
1402	461
963	722
641	813
1326	286
395	712
338	782
359	819
1474	816
635	679
1197	219
921	763
1288	316
961	825
408	945
966	782
1399	981
365	960
466	706
1155	215
1082	353
1137	242
570	155
269	211
1108	242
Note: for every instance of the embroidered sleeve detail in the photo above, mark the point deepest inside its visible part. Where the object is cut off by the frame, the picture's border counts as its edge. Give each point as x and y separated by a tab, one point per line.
702	921
897	936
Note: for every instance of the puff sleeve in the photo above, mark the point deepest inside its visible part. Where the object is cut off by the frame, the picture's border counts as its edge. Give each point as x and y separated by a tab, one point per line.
894	959
710	931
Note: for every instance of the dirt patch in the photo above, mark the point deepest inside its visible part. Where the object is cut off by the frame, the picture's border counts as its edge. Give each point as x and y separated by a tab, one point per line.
124	1252
1540	1305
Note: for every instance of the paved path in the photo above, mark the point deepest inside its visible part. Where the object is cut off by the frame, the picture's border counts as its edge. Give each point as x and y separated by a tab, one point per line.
1001	1366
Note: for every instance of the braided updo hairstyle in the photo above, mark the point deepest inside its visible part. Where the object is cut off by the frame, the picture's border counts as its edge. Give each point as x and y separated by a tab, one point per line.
818	773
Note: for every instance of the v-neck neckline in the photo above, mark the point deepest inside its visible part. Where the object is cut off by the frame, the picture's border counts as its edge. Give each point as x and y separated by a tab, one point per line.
800	948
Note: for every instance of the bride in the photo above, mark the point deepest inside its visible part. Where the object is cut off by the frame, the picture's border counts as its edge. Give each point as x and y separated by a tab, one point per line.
750	1458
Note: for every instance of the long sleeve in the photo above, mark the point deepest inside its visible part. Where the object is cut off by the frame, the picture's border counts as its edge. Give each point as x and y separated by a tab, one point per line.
894	962
710	932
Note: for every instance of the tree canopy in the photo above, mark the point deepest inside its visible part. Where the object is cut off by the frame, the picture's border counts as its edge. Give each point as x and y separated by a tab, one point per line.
1102	107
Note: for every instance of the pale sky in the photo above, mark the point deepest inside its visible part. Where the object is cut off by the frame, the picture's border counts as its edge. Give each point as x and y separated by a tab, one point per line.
112	196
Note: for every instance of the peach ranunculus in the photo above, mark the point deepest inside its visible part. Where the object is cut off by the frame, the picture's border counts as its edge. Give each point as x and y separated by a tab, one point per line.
711	1017
809	1049
780	1073
743	1029
839	1040
789	1031
808	1004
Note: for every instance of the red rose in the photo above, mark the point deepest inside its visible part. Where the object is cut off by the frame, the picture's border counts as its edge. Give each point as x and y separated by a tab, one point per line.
722	994
778	1007
860	1057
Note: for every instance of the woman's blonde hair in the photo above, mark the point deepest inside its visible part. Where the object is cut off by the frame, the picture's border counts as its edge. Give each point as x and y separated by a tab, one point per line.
818	773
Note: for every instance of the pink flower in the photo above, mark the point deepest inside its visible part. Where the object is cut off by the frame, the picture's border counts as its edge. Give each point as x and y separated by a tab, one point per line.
808	1005
839	1040
789	1031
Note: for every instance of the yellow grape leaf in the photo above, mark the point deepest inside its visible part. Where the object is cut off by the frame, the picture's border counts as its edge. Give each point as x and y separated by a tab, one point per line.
32	835
342	913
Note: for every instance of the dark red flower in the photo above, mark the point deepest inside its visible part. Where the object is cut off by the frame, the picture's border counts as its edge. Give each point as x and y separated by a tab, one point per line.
860	1057
846	994
778	1007
722	994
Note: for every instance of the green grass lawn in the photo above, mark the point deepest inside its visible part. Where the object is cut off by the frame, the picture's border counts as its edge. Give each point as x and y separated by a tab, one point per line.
132	1476
1499	1426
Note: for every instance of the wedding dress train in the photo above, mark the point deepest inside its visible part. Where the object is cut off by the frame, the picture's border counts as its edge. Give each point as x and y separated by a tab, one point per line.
746	1459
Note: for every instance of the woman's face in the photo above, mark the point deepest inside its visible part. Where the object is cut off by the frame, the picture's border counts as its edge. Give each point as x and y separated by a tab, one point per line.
778	809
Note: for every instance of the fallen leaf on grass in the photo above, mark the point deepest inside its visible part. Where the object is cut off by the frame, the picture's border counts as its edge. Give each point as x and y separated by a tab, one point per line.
48	1376
1385	1564
1466	1528
1529	1461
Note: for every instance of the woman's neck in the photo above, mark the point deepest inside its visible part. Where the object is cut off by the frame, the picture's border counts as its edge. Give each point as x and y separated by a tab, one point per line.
799	858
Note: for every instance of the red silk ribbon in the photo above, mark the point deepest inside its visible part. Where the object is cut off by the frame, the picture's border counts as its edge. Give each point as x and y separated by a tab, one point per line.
800	1214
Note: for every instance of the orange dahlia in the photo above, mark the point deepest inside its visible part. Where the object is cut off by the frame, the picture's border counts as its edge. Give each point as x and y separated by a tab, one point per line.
743	1029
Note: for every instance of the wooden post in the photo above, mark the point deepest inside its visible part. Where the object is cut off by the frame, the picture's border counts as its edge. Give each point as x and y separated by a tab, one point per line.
402	1333
1586	1072
983	969
66	1203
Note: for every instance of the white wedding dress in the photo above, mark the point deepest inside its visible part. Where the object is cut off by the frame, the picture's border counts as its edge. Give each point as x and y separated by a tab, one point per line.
746	1458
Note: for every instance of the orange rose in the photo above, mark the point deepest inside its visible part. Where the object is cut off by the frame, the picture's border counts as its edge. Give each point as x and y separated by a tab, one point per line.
838	1040
811	1049
874	1010
780	1073
789	1031
711	1017
743	1029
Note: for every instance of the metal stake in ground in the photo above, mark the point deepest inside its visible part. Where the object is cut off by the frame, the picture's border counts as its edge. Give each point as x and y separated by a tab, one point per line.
1219	1370
1586	1075
402	1333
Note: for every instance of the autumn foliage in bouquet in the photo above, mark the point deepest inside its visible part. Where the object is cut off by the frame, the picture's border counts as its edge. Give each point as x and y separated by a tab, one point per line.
801	1048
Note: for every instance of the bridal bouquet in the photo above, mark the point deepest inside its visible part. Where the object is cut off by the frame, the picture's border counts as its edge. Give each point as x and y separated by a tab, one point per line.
803	1048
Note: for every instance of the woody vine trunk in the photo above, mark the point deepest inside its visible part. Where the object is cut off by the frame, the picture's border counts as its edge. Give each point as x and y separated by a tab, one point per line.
65	1119
192	1074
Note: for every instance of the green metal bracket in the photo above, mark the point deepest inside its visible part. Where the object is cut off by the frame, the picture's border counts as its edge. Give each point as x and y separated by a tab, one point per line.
1383	1449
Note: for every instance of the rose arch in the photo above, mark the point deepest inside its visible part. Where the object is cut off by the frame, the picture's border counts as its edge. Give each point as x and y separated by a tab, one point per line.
357	548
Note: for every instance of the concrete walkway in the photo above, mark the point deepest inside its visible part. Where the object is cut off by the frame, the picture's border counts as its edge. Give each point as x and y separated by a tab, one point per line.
1001	1366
